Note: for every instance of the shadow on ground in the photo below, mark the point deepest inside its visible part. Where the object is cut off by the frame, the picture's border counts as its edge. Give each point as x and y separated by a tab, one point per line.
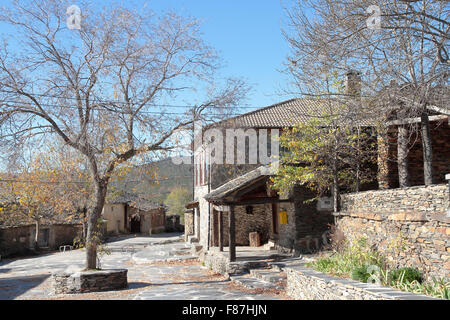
138	285
11	288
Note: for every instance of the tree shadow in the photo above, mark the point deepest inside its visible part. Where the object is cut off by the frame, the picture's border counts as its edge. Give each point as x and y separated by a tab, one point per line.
13	287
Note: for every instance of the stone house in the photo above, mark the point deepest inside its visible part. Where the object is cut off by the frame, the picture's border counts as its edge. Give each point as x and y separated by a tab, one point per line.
131	214
233	200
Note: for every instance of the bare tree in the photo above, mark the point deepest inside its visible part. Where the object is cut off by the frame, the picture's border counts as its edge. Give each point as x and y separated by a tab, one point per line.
405	42
102	87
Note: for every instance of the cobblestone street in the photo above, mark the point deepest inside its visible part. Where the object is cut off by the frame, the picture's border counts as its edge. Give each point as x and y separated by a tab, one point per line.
153	274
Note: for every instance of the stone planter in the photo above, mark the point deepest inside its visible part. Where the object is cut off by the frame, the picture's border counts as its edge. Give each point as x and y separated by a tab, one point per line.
89	281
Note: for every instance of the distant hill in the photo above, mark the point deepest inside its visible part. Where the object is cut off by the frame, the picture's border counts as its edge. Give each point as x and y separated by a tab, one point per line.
154	181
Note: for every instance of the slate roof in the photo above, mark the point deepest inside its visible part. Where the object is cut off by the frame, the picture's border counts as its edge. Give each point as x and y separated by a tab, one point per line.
236	184
136	201
13	218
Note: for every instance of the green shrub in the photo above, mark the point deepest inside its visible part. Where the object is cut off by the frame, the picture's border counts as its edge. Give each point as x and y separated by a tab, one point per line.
360	274
405	275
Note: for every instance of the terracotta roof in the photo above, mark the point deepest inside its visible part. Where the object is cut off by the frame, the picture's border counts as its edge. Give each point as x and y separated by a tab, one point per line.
283	114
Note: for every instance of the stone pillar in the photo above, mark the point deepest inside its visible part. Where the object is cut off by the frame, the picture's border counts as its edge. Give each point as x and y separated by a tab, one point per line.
447	177
232	234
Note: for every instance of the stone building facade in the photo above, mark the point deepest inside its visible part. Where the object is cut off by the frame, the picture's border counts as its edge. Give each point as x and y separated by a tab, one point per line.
304	225
134	217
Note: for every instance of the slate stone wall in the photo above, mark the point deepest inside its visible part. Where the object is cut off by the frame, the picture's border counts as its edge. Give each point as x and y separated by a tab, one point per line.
188	224
304	283
409	226
428	199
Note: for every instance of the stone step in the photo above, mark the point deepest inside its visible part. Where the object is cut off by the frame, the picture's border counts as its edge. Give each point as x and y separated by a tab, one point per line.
254	283
196	248
270	245
269	275
192	239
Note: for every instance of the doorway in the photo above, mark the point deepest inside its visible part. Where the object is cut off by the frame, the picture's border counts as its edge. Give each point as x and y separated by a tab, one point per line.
135	224
43	238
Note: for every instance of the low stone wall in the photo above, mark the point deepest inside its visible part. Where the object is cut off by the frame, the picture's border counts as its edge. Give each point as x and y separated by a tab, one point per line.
422	199
306	284
89	281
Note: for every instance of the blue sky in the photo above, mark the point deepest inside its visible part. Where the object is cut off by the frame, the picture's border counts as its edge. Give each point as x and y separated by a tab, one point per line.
247	34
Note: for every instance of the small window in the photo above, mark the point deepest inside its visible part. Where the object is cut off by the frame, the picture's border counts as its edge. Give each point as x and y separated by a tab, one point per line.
249	209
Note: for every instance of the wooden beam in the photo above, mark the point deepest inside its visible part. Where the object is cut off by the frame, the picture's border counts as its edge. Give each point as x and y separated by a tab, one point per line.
221	208
220	231
232	234
258	201
416	120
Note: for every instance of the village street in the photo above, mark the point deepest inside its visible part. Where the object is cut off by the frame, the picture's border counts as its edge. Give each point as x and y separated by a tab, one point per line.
159	267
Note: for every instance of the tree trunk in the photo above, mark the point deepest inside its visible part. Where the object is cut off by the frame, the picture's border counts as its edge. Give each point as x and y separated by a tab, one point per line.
427	149
335	186
36	236
402	156
93	232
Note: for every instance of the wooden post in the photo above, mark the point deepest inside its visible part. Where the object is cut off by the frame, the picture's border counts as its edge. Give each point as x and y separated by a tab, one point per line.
220	231
232	234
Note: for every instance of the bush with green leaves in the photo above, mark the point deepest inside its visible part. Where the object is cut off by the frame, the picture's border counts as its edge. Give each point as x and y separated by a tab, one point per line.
343	262
360	274
356	259
405	274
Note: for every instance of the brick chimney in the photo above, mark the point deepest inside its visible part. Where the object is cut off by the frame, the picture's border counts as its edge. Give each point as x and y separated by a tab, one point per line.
353	83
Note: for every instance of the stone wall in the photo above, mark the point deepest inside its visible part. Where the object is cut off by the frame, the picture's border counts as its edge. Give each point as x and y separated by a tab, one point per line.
188	224
17	241
258	221
430	199
304	283
310	223
408	225
203	207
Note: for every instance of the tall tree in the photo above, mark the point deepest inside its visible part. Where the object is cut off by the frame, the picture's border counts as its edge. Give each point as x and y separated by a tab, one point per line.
401	41
177	199
34	194
326	154
99	82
